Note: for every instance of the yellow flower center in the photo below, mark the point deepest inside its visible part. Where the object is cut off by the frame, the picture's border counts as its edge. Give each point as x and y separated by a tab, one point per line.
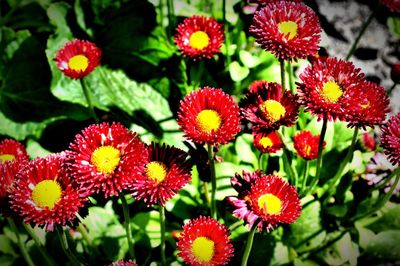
271	204
307	150
106	159
6	157
46	194
78	63
365	104
331	91
156	171
203	249
288	28
273	110
266	142
199	40
208	121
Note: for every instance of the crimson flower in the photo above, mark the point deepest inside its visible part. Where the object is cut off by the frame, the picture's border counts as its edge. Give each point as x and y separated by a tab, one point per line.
12	150
390	139
306	145
267	142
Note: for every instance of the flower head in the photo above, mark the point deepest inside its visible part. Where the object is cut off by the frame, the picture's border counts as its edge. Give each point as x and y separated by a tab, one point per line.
368	141
122	262
78	58
12	150
306	145
166	171
209	116
287	29
390	139
265	199
267	108
105	158
393	5
326	87
204	241
199	37
367	105
45	193
267	142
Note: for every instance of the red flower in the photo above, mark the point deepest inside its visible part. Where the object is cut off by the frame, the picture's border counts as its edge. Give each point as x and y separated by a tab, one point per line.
367	105
78	58
45	194
368	141
395	73
287	29
393	5
265	199
267	108
12	150
204	241
121	262
326	85
268	142
199	37
390	139
209	116
105	158
306	145
166	171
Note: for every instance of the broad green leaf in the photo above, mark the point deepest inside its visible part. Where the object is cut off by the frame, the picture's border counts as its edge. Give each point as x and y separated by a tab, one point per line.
394	26
389	220
35	150
384	245
298	262
248	59
149	222
245	149
238	72
6	246
342	251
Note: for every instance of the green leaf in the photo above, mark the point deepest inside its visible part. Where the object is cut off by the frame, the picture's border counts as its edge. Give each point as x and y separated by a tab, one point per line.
35	150
245	149
394	26
248	59
6	246
149	222
390	220
384	245
307	233
237	72
341	252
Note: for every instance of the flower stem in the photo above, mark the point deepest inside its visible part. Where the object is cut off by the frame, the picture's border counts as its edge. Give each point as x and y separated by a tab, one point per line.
227	40
206	195
39	244
162	227
290	74
21	246
249	244
319	158
343	164
392	88
127	224
213	181
360	34
65	247
89	102
171	20
305	176
283	81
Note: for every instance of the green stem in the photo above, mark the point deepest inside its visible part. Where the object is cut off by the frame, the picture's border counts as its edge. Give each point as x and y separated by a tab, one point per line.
392	88
227	40
384	200
89	102
360	34
290	74
260	160
305	176
161	10
343	164
21	246
38	244
319	158
285	156
213	181
249	243
206	195
197	79
65	247
283	81
162	227
127	224
171	20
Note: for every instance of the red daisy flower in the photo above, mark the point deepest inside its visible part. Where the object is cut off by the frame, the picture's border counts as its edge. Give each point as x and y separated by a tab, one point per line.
199	37
12	150
325	86
306	145
123	263
367	105
267	108
264	2
105	158
287	29
393	5
78	58
204	241
45	194
268	142
368	141
390	139
166	171
264	198
209	116
8	171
